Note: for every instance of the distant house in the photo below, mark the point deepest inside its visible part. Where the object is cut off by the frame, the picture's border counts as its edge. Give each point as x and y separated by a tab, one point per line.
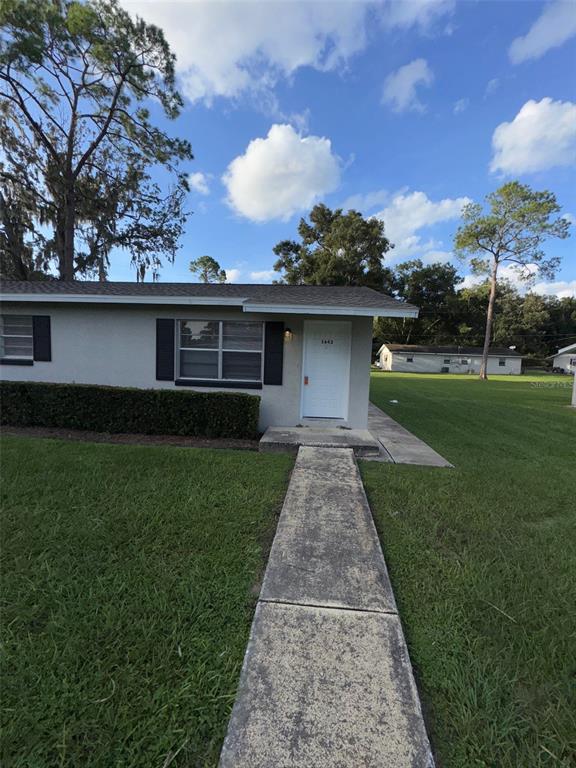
414	358
565	359
304	349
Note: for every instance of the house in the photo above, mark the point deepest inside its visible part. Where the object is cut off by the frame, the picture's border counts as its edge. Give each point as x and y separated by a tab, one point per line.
564	361
414	358
305	350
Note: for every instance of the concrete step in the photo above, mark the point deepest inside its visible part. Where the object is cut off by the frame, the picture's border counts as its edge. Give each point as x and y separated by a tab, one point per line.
290	439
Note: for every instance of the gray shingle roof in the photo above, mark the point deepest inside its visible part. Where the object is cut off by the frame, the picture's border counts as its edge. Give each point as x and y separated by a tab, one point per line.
289	295
452	350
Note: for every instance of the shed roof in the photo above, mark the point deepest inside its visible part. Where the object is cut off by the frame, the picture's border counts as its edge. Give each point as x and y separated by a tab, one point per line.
314	299
564	350
450	350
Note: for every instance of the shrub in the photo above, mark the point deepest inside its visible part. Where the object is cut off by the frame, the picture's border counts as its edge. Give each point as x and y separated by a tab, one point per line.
120	409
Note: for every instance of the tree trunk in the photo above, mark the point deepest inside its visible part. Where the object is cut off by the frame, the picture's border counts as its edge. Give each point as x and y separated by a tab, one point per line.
489	318
66	265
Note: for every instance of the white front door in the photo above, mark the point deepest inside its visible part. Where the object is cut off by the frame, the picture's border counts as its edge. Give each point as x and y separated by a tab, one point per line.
326	369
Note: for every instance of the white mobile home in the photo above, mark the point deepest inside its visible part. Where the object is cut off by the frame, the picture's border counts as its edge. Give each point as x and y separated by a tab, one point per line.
305	350
564	361
413	358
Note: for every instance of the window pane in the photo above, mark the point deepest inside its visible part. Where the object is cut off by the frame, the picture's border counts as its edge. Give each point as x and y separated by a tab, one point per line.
17	346
198	365
201	334
17	325
243	366
242	335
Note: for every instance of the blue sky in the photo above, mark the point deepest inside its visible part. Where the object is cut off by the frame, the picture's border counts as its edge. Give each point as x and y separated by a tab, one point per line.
404	110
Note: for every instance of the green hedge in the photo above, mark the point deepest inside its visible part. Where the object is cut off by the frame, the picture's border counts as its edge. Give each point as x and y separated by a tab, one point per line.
119	409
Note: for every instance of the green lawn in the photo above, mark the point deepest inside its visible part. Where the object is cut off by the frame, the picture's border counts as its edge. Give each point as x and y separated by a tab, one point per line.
128	583
483	563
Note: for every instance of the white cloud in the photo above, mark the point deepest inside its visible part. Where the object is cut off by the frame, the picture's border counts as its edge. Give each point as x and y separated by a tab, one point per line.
420	13
552	28
437	257
541	136
570	218
233	275
264	276
227	48
199	183
470	281
366	202
559	288
492	87
563	289
281	175
513	275
400	86
408	213
461	105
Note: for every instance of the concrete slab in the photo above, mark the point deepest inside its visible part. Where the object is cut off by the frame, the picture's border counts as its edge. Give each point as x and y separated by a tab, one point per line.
326	550
400	445
326	689
289	439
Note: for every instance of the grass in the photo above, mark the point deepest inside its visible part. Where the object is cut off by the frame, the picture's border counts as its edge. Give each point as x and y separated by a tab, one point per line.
128	583
483	563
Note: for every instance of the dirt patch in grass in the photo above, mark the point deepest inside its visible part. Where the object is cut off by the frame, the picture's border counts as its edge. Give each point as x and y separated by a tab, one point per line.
86	436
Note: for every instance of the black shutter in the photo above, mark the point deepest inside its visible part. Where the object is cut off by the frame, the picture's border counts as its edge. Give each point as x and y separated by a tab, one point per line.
41	338
165	349
273	353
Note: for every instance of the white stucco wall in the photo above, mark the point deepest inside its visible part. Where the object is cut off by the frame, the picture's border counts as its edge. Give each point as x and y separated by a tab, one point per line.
567	361
433	363
116	345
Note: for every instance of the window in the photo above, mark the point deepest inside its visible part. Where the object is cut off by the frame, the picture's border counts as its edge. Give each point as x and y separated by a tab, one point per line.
446	361
502	362
221	350
16	341
464	361
409	359
572	361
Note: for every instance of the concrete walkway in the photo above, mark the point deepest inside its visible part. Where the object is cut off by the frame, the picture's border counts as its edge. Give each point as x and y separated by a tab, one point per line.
398	444
326	680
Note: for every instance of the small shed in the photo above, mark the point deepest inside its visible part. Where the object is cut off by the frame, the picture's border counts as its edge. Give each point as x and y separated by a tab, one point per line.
564	361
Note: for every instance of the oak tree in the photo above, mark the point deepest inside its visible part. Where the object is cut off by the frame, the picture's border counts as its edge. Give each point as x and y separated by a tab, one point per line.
78	83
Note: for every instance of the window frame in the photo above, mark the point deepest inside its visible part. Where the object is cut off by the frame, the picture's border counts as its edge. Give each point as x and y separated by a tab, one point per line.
447	361
27	359
219	350
410	359
502	362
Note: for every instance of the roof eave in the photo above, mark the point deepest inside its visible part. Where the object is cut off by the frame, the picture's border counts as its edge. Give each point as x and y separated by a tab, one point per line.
244	302
83	298
301	309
